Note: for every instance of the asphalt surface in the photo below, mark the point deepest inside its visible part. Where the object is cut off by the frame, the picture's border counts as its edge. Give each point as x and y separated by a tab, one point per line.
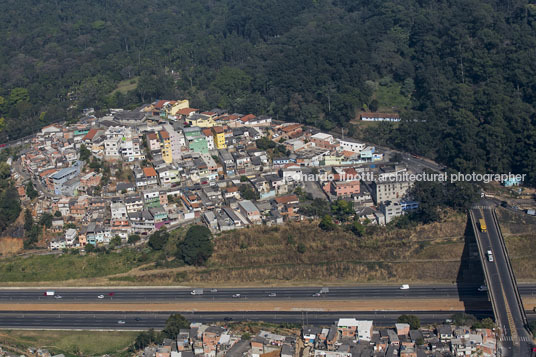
261	294
515	338
143	321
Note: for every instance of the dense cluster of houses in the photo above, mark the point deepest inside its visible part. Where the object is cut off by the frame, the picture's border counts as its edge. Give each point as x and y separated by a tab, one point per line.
185	165
348	337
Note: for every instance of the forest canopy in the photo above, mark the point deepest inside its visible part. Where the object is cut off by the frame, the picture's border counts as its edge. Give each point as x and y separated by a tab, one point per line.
461	72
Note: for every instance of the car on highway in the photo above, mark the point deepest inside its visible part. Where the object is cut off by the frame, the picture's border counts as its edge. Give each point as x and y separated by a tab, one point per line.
316	294
272	295
482	288
490	255
137	319
100	297
236	295
57	297
213	290
227	319
404	287
121	322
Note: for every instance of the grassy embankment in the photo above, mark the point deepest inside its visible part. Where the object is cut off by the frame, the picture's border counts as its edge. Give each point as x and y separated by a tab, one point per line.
267	256
519	232
71	343
126	86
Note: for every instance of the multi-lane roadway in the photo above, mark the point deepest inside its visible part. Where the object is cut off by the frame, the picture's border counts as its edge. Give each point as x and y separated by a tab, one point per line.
146	320
508	309
469	291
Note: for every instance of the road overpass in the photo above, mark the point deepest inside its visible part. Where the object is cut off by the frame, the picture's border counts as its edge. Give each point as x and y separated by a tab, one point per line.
508	309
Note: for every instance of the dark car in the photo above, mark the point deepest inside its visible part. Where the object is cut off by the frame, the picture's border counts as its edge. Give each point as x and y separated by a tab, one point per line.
227	319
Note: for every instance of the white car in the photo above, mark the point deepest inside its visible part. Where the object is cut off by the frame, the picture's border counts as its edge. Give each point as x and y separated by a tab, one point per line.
100	297
236	295
482	288
57	297
404	287
272	295
316	294
213	290
121	322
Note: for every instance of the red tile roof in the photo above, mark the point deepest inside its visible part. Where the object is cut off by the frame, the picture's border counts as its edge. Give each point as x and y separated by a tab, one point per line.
286	199
218	129
207	132
290	127
149	172
151	136
186	111
90	135
161	103
164	134
247	118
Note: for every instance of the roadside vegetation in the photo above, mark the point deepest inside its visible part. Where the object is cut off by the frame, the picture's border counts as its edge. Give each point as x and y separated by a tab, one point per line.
304	253
519	231
71	343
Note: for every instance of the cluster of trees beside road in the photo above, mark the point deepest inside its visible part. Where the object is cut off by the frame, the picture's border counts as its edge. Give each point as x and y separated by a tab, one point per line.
195	248
461	72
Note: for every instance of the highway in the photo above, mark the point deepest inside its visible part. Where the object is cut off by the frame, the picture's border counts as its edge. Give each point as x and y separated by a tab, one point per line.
144	320
301	293
515	338
144	294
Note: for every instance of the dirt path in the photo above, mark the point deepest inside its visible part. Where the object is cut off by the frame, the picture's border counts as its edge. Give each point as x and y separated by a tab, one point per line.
324	305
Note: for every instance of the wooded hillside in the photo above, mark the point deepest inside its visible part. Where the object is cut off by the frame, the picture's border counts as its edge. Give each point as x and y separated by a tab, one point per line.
461	72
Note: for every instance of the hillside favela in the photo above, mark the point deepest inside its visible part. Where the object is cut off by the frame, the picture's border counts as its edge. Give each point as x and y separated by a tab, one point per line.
313	178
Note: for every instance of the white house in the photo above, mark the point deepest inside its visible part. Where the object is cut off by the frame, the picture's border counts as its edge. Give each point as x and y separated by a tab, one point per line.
70	237
118	211
350	145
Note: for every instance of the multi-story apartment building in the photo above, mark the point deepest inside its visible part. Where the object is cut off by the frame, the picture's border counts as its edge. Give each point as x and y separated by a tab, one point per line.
165	145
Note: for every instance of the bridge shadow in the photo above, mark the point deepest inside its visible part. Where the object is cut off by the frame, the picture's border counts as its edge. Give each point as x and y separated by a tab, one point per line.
471	276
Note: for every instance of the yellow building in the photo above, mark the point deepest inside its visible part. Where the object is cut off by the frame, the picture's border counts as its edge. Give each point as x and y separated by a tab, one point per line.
178	105
219	137
201	120
165	144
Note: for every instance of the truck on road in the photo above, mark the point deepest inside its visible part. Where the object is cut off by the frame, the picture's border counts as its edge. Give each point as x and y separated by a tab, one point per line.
483	227
197	292
49	293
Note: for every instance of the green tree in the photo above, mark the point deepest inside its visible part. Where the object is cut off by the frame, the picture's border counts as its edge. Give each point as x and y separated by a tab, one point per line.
89	248
197	247
158	239
46	220
85	154
28	220
532	327
174	324
342	209
412	320
133	239
57	214
358	229
144	339
301	248
31	192
247	192
327	224
246	336
115	242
